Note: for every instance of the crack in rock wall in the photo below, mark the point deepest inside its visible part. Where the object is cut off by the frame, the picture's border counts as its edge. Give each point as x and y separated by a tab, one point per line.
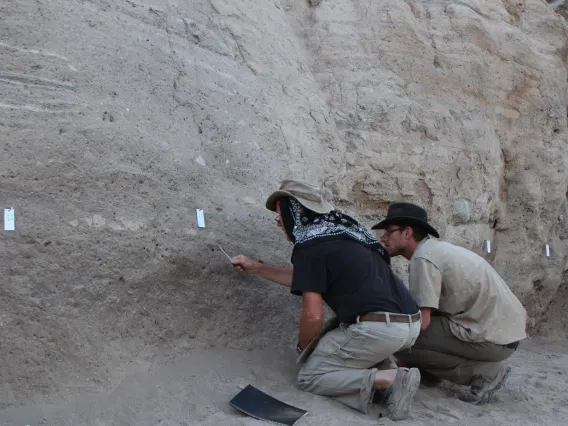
119	119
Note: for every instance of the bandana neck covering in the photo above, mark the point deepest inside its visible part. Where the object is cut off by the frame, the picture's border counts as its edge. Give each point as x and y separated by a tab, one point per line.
303	225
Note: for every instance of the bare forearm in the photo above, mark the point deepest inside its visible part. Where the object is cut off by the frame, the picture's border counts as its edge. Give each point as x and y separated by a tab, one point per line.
309	328
426	312
282	276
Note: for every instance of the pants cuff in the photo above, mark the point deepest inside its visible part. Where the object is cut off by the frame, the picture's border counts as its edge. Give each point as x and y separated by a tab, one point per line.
367	391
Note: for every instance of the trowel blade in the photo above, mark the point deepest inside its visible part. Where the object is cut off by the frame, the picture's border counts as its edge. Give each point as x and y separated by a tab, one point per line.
224	252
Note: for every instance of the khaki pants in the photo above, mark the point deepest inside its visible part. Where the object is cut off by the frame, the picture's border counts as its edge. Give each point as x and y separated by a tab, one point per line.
438	352
342	363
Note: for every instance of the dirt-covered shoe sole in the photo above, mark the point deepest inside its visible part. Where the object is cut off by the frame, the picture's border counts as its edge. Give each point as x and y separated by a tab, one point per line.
399	400
490	389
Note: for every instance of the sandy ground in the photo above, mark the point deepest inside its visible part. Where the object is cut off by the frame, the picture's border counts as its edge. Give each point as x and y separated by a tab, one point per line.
196	390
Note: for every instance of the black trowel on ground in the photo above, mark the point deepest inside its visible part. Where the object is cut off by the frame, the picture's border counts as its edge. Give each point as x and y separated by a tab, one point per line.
261	406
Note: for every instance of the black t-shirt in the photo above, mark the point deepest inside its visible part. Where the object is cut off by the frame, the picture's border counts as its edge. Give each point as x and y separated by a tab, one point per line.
352	278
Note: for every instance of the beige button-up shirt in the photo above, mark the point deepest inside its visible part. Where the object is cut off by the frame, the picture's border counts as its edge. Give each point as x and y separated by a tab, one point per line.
461	284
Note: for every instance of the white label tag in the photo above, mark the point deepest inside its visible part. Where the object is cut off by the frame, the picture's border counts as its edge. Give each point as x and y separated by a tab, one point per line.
488	246
200	218
9	222
547	251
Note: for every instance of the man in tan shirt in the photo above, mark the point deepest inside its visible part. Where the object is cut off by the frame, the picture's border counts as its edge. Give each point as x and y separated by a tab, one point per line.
471	320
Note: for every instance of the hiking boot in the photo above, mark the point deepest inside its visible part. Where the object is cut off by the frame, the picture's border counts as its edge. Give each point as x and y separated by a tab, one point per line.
400	393
482	394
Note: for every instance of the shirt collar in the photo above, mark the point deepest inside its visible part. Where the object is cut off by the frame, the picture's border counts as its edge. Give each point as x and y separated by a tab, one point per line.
419	245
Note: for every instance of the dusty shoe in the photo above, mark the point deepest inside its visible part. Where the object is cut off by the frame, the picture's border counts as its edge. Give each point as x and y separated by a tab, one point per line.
400	393
483	394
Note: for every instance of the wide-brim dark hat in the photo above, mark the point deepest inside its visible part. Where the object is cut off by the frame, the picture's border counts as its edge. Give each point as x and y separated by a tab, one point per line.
407	214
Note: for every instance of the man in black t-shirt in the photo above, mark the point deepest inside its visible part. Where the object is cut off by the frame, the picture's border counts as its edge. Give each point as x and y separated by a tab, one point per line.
337	261
352	279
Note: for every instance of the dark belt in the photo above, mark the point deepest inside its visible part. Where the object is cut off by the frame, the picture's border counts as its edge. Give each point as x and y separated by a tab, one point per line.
513	345
393	317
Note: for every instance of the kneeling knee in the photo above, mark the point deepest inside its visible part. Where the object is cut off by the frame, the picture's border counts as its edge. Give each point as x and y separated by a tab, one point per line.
306	381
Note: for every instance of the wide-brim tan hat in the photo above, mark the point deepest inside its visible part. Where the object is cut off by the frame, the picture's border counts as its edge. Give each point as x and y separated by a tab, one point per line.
307	195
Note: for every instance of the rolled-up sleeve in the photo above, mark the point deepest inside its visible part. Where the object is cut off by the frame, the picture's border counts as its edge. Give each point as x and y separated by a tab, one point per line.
425	283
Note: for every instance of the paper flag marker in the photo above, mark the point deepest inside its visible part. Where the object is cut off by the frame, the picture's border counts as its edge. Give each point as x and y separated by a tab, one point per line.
200	218
9	221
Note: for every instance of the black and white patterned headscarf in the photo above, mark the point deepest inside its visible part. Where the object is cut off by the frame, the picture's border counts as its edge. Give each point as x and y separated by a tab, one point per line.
303	225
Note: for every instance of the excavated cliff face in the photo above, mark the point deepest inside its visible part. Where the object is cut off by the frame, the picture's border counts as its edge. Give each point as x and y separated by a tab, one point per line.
119	119
460	106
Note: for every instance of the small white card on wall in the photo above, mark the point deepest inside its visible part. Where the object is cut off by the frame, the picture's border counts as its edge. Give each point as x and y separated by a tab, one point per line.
200	218
9	220
488	246
547	250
